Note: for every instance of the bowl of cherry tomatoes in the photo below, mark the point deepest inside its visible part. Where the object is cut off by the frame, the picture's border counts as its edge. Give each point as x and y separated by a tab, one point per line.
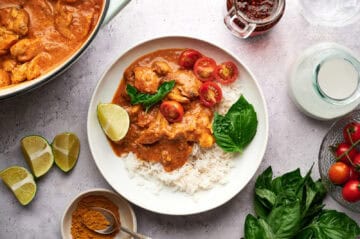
339	161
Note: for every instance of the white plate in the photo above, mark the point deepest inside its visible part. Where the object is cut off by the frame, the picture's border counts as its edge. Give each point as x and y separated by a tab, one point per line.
127	215
167	201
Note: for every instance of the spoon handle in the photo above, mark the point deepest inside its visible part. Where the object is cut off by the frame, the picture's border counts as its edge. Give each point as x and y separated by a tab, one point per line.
134	234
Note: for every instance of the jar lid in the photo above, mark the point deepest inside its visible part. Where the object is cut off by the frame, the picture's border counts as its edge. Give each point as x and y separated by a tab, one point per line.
325	81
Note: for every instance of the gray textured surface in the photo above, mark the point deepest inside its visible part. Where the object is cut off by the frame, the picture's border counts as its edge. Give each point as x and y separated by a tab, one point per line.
62	106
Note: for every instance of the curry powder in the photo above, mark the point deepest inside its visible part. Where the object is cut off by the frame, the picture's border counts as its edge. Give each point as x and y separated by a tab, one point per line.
83	214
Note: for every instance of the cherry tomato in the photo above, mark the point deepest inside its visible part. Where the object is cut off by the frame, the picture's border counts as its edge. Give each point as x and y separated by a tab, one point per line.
188	58
210	93
354	174
341	149
226	73
173	111
356	163
351	191
339	173
204	69
351	132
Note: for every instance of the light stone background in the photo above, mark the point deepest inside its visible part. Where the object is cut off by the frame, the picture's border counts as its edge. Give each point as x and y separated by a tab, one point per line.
61	105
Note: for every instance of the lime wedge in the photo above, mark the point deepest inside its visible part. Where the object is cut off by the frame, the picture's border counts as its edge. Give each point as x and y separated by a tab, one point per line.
21	182
114	120
38	154
66	148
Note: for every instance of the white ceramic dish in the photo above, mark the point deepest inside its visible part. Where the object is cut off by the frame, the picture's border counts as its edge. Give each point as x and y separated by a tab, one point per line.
127	215
167	201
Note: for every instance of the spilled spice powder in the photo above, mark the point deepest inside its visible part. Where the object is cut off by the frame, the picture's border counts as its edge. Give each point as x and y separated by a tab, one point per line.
93	219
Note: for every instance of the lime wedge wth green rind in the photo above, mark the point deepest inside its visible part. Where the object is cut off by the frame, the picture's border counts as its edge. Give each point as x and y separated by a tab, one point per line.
66	148
38	154
21	182
114	120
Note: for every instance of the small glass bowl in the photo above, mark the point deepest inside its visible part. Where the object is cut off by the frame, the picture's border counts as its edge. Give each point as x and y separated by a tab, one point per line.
326	158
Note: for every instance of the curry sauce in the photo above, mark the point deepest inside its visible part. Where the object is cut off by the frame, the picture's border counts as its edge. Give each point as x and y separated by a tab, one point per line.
38	35
151	137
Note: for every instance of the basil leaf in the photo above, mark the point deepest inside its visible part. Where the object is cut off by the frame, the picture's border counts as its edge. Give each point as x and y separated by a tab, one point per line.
285	218
288	183
291	206
234	131
264	180
264	196
331	224
261	209
148	100
257	228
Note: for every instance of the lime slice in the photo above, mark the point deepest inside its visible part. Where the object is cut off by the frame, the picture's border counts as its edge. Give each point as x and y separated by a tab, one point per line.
21	182
38	154
114	120
66	148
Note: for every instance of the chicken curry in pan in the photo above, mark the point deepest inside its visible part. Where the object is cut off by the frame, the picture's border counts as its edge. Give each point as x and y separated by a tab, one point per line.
155	134
38	35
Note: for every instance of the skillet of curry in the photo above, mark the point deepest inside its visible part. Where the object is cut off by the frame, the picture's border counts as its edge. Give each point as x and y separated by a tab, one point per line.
38	35
151	137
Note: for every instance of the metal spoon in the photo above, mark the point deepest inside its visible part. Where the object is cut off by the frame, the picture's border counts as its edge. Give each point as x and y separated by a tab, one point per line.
114	224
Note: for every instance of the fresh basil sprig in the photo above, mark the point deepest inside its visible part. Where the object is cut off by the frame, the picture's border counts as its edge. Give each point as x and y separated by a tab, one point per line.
148	100
234	131
291	207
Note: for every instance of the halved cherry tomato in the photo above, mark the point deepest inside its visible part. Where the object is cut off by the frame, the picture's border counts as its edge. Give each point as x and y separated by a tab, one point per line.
351	191
340	150
226	72
204	69
210	93
339	173
173	111
188	58
351	132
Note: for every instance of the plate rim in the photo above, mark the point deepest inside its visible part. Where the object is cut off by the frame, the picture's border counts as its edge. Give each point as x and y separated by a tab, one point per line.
225	50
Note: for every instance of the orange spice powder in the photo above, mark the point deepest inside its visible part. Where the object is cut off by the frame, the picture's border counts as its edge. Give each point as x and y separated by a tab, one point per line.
95	220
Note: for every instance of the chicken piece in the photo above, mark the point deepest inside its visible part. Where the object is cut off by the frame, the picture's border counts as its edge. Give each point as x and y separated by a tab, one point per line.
9	64
175	94
132	110
19	73
37	65
194	127
161	68
7	39
206	140
145	118
146	80
155	132
4	78
47	11
26	49
73	23
16	20
186	88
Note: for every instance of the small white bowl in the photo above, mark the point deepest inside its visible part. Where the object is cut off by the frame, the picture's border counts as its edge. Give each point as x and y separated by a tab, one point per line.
127	215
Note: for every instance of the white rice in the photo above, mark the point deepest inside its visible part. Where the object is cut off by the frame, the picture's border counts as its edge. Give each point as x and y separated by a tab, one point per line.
204	169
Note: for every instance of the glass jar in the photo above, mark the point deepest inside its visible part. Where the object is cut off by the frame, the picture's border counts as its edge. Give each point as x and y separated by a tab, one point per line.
246	18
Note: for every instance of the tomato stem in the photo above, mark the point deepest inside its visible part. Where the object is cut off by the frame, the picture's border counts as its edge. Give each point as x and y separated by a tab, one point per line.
353	145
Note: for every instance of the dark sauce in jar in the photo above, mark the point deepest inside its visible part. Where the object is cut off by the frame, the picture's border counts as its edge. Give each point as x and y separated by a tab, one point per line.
257	10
